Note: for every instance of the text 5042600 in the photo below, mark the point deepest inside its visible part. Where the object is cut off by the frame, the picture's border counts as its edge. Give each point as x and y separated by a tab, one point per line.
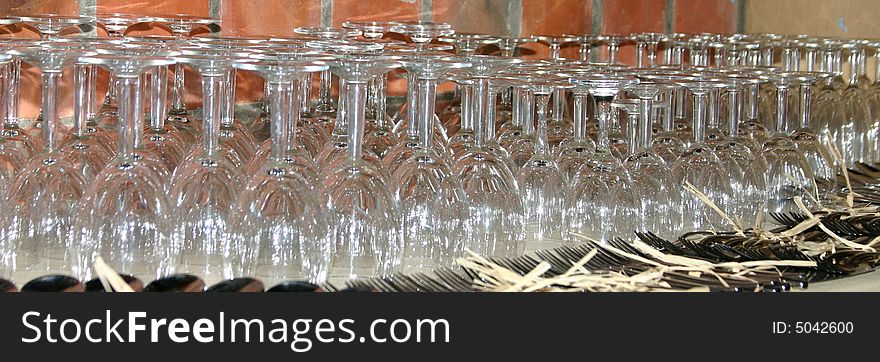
803	327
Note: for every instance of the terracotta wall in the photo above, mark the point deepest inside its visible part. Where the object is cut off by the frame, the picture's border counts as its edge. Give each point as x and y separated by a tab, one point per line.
843	18
502	17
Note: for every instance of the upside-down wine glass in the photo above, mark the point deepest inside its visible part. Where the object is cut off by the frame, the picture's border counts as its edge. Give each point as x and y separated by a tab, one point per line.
181	27
366	216
466	44
856	107
205	185
541	182
788	173
15	136
43	199
654	184
310	136
325	110
700	166
600	203
302	145
86	146
496	211
520	143
233	135
281	223
411	140
508	47
116	24
334	151
11	156
160	138
573	153
822	165
432	204
124	213
560	126
733	148
421	33
667	142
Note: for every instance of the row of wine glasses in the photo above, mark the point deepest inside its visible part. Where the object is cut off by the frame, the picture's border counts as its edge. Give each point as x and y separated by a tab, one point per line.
526	154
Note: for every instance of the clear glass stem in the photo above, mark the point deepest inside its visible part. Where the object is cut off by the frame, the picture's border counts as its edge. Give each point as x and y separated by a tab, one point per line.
305	99
863	62
558	105
178	102
212	99
580	116
381	101
714	97
80	98
294	100
412	105
806	95
528	112
646	108
668	117
159	97
110	96
490	118
555	50
4	86
126	89
640	54
91	92
781	108
632	125
613	47
667	54
837	62
791	59
481	107
754	96
50	98
603	105
734	105
877	66
678	98
14	83
356	98
266	96
542	101
467	109
341	108
720	57
854	67
679	55
516	107
137	117
227	106
278	93
699	116
325	99
652	54
810	59
507	97
584	51
767	56
427	90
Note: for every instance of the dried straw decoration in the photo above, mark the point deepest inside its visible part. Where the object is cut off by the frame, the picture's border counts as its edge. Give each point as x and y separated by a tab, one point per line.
834	241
